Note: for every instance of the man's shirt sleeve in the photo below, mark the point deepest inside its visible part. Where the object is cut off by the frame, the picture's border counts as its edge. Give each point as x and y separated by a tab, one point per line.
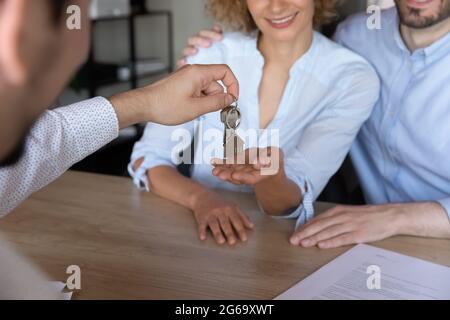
58	140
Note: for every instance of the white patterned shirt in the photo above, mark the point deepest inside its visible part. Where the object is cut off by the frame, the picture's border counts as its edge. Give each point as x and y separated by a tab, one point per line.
58	140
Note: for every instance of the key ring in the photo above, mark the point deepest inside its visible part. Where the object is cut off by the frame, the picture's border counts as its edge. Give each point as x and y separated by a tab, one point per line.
233	116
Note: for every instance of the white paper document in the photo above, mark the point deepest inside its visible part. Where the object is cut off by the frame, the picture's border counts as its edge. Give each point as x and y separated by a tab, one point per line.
60	286
366	272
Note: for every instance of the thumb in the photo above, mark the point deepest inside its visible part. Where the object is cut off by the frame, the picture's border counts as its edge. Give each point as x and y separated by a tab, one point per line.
213	102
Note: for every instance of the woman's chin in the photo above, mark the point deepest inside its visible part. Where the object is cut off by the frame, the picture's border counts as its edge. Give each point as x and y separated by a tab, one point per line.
284	35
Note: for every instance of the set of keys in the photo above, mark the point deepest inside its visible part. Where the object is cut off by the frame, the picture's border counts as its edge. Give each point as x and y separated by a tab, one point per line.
233	145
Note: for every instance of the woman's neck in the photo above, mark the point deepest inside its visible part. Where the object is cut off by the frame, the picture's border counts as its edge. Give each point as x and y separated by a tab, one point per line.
285	52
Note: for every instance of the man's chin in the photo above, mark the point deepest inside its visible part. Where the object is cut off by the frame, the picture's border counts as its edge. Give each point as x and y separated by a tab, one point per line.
419	23
417	19
13	157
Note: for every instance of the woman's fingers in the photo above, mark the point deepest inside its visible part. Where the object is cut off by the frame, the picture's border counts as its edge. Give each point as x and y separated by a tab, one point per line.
237	174
218	170
216	231
247	222
225	174
245	178
227	229
238	225
262	163
227	226
245	219
202	230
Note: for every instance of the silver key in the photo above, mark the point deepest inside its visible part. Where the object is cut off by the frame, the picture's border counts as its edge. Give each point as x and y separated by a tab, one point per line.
233	145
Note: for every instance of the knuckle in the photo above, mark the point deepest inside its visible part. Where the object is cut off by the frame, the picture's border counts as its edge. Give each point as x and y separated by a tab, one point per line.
212	215
219	211
211	220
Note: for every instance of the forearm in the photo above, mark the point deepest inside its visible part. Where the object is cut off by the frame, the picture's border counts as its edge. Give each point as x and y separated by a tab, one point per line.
168	183
130	107
427	219
278	194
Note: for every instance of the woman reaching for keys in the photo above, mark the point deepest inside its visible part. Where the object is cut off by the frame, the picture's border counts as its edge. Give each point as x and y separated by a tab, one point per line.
309	92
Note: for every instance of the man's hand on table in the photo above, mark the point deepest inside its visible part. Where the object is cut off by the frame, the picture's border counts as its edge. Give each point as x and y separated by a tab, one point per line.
183	96
346	225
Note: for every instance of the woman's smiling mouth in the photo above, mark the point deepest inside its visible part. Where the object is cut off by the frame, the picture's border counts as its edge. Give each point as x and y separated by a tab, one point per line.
282	23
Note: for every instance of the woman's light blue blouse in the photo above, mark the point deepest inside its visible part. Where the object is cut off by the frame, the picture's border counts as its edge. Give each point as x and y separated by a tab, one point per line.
330	94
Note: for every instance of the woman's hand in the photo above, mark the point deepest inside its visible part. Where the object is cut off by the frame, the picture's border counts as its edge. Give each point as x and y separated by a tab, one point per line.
263	169
260	165
225	219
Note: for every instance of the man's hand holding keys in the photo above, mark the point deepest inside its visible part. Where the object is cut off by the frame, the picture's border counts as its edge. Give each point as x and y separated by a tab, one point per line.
183	96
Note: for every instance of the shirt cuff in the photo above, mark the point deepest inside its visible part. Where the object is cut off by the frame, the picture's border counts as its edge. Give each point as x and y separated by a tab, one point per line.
445	203
304	212
139	176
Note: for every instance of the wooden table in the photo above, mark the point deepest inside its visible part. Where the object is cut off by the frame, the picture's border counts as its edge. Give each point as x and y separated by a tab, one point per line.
133	245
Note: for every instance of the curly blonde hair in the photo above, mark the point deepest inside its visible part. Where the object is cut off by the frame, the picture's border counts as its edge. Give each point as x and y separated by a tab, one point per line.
235	15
